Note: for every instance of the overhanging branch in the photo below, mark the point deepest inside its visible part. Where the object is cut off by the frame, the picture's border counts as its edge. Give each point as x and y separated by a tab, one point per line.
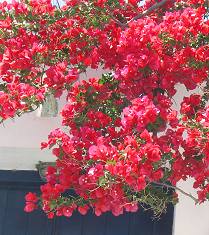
149	10
140	15
178	189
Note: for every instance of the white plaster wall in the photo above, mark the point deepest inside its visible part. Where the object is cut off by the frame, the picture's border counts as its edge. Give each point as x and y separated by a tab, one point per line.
190	219
20	150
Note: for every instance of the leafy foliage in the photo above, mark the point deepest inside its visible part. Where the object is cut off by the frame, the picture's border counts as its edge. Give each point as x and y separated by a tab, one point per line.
125	146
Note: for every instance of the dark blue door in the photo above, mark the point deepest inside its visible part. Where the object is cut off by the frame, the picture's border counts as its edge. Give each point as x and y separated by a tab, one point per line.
14	221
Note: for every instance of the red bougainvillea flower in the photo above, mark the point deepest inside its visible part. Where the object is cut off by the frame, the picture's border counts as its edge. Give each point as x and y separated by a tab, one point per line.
124	144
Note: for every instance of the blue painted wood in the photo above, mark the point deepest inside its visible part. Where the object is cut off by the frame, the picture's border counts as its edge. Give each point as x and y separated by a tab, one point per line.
69	226
162	226
117	225
14	221
94	224
141	223
38	224
3	208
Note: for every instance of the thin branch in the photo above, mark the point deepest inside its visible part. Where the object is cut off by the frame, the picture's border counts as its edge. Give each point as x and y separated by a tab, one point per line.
117	21
148	11
177	188
58	4
207	7
140	15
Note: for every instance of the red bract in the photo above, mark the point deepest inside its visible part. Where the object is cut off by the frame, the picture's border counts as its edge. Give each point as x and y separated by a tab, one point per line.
31	200
123	139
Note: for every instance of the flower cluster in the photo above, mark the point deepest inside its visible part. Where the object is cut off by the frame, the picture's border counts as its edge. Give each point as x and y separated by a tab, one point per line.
124	145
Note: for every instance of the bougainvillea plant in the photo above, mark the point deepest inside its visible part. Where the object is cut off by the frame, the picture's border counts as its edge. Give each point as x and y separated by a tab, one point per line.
124	146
